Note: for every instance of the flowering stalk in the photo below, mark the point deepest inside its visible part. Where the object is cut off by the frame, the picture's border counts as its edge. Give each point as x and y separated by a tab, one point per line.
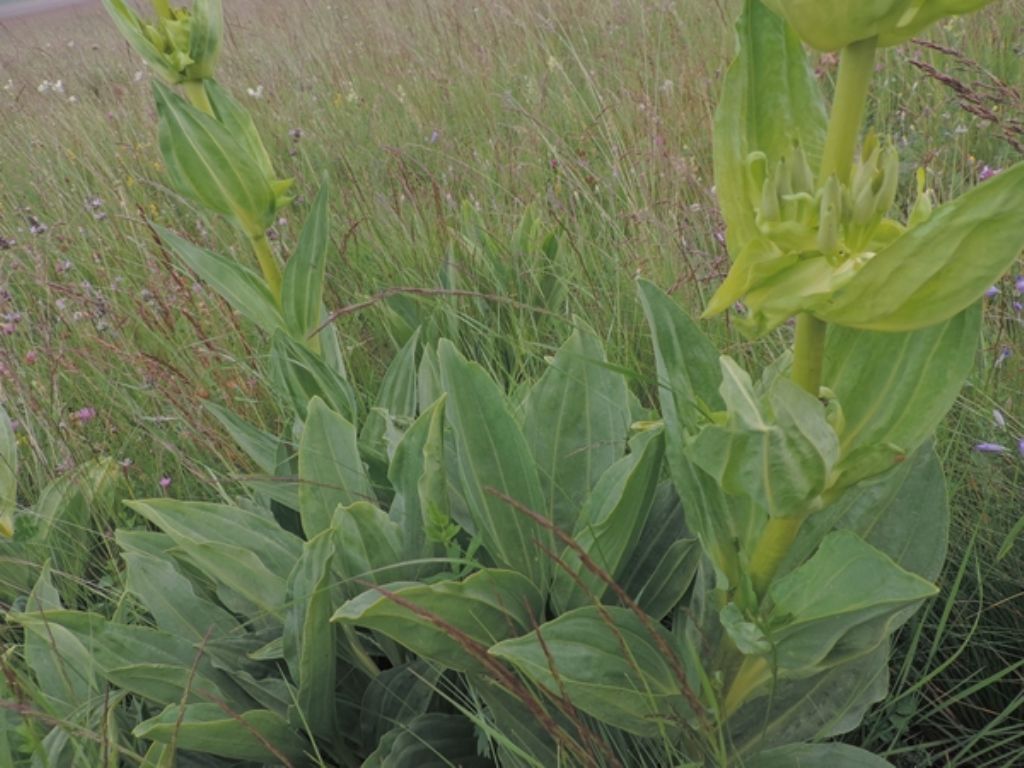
855	71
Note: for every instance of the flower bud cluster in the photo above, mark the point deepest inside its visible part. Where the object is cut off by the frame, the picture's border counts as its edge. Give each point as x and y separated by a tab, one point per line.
181	45
814	237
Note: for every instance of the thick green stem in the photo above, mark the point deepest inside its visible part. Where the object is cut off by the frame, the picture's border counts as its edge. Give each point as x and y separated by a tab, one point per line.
809	353
195	92
753	672
268	265
856	66
777	537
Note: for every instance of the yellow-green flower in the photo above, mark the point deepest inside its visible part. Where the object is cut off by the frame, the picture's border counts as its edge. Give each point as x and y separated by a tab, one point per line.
829	25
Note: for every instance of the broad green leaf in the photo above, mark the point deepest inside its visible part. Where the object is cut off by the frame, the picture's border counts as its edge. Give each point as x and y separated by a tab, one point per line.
260	446
842	602
300	375
904	513
810	709
151	663
494	458
664	561
238	285
428	378
8	476
438	621
171	598
331	470
609	526
245	553
396	697
576	421
939	268
815	755
433	740
210	165
237	120
688	379
309	637
895	388
396	398
258	734
369	546
418	458
770	101
302	291
64	671
778	449
608	664
187	521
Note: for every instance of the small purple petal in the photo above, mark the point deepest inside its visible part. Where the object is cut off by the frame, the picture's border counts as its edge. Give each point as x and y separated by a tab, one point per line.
991	292
1020	446
987	172
165	482
1019	285
990	448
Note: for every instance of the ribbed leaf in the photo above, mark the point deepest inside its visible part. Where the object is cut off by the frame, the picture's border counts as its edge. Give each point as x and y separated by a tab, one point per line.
576	420
258	735
895	388
841	603
609	525
435	620
688	379
331	470
309	637
941	267
302	292
238	285
494	458
607	663
208	164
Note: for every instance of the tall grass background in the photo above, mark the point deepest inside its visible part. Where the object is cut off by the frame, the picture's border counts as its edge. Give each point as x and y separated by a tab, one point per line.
442	125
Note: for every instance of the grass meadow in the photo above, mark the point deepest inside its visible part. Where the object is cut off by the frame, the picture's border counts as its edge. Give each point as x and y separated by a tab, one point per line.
448	128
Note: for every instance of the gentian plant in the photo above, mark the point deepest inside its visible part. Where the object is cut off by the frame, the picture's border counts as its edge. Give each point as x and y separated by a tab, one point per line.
561	576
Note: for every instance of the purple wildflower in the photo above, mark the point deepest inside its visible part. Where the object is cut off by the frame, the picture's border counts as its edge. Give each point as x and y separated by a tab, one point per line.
1019	285
1020	446
987	172
991	292
84	415
165	482
990	448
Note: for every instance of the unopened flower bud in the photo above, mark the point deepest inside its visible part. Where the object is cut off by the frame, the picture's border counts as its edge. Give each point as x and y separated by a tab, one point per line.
181	45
